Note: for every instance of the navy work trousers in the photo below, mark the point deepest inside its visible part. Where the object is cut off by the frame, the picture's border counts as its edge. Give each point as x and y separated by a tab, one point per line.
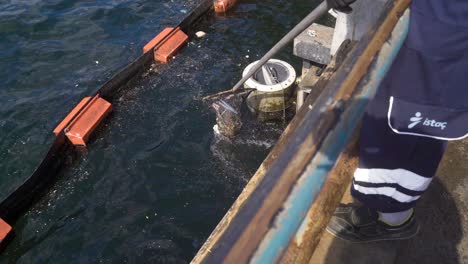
421	104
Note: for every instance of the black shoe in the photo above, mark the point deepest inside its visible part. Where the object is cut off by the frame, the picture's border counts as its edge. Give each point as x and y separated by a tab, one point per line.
356	223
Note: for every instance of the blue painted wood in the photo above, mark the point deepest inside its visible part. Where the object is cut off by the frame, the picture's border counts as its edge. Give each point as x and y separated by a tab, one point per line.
311	182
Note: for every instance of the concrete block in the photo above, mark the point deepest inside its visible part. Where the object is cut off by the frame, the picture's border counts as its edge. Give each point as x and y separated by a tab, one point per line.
354	25
314	44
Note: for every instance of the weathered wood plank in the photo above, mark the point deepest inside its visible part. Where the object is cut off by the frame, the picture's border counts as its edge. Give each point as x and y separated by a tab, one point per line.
279	146
245	232
302	248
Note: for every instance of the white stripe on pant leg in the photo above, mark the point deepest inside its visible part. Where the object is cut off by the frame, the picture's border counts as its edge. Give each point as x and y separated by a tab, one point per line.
402	177
387	191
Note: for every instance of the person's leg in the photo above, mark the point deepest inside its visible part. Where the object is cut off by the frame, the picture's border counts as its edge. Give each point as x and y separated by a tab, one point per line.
394	171
397	162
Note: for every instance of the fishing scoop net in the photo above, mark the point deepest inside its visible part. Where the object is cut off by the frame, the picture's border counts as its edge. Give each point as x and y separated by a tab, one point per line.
228	115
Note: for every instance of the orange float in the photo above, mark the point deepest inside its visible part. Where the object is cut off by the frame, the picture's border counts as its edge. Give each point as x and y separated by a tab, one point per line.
166	44
222	6
80	123
5	230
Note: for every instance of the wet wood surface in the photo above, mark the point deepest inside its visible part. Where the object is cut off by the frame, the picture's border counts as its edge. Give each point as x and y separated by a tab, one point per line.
239	234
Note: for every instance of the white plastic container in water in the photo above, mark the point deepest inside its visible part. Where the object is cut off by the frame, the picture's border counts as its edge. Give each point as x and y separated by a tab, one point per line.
274	85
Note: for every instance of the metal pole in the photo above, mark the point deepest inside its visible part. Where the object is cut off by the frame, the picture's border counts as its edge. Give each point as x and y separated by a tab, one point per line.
303	25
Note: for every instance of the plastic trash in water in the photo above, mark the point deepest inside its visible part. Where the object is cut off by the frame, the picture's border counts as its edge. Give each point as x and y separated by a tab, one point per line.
228	117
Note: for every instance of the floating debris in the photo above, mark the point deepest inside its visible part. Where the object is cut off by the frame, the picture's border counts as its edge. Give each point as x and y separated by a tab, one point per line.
200	34
228	117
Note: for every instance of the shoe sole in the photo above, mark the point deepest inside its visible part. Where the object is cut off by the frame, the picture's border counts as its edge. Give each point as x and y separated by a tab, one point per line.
377	239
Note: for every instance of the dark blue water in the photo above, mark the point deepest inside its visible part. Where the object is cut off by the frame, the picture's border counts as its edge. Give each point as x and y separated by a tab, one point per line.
155	181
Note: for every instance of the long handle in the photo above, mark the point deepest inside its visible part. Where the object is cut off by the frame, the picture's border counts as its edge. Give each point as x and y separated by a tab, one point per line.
303	25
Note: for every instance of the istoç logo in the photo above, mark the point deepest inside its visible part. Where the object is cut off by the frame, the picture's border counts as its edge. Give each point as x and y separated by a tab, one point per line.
417	118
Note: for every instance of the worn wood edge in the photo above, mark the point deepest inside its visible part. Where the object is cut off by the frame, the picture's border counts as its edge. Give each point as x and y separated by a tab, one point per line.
250	187
258	225
279	146
301	249
349	82
212	240
261	221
